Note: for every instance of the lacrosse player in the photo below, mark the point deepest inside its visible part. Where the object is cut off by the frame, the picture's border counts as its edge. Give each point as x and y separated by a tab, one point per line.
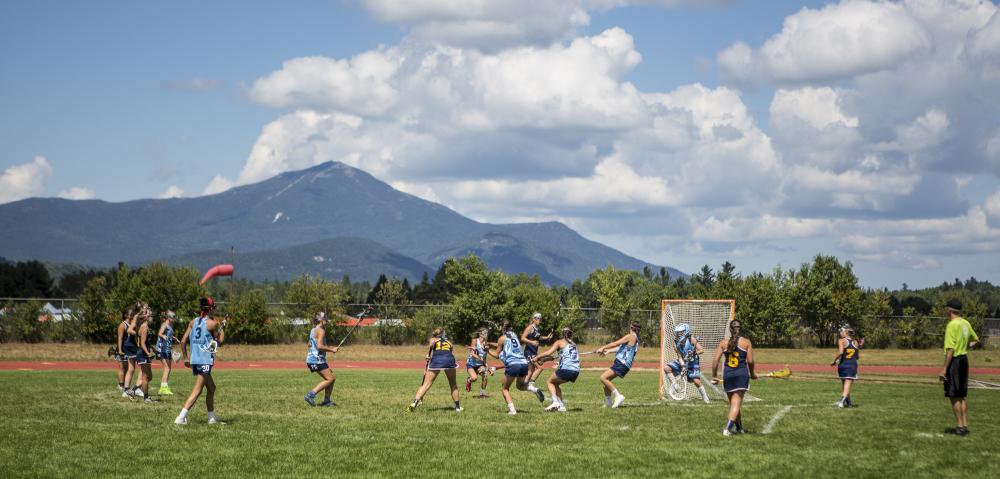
848	352
201	339
627	346
738	372
515	366
689	352
476	364
316	361
566	372
440	357
164	344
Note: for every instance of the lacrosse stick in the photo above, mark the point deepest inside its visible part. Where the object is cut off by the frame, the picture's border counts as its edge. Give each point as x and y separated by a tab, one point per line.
357	323
783	374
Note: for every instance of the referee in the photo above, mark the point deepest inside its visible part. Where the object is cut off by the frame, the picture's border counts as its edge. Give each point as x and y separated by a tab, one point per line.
958	338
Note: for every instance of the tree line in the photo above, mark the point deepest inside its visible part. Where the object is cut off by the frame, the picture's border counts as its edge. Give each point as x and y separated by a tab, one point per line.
783	308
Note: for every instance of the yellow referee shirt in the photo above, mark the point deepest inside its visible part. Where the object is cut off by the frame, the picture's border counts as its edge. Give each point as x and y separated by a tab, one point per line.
957	336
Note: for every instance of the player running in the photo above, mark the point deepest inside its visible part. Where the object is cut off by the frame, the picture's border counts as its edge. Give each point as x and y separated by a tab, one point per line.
316	361
145	355
689	352
440	357
476	364
203	336
532	338
848	352
627	346
515	366
736	376
566	372
165	344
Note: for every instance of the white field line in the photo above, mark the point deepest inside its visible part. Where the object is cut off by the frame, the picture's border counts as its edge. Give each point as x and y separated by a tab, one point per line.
774	419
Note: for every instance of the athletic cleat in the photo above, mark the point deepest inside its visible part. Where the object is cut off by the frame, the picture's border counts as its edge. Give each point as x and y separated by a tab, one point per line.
215	420
413	406
540	395
138	392
165	391
726	432
181	421
459	409
512	412
962	431
310	400
561	408
618	401
468	384
327	404
148	400
121	389
130	395
124	393
552	407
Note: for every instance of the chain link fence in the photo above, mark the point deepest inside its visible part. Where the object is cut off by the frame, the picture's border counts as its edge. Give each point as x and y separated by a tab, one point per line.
59	320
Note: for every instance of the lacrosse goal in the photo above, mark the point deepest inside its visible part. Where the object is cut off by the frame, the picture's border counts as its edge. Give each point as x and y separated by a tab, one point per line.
708	320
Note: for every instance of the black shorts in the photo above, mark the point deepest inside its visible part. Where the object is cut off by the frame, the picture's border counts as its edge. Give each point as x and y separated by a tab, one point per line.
956	382
567	375
619	368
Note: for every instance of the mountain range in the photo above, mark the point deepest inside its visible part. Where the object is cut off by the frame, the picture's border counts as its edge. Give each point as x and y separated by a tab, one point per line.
330	219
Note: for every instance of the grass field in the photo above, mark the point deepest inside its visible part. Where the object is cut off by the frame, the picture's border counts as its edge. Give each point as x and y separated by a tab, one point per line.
295	352
59	424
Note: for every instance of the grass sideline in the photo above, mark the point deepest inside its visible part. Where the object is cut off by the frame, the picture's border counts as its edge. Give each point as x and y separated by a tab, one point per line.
296	352
74	424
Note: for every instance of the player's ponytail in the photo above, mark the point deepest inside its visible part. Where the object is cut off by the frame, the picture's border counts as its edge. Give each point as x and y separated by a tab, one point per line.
437	333
734	336
506	325
567	333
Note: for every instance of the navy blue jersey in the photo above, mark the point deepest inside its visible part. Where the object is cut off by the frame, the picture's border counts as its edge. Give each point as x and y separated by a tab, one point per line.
736	360
851	353
442	355
531	350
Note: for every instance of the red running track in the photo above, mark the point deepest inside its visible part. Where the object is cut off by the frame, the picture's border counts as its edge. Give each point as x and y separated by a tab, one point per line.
761	368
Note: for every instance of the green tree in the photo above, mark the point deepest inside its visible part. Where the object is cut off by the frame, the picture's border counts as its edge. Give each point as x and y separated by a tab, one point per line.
480	296
827	295
308	295
611	289
250	323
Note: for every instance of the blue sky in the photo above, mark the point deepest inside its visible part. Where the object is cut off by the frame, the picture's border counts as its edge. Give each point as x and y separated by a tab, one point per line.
125	100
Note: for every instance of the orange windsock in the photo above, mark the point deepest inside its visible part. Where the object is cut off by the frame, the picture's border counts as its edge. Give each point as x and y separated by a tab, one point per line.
217	270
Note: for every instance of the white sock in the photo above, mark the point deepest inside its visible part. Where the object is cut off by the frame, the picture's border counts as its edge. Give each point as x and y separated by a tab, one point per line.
184	413
704	393
510	406
616	394
211	415
532	388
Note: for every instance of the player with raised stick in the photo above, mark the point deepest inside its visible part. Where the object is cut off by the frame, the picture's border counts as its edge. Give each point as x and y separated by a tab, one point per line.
316	361
440	357
566	372
689	352
848	352
515	366
476	364
201	340
736	376
532	339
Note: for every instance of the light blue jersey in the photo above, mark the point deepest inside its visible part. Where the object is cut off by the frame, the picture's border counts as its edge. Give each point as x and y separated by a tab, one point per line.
164	345
687	351
199	341
512	353
569	357
315	356
626	353
478	349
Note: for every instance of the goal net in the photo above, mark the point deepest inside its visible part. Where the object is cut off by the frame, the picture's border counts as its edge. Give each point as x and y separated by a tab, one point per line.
708	320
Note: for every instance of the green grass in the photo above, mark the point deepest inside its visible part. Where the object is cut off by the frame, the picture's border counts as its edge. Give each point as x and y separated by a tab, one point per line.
58	424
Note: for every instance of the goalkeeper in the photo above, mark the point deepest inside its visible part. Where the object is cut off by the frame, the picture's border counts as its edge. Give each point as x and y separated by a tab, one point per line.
689	352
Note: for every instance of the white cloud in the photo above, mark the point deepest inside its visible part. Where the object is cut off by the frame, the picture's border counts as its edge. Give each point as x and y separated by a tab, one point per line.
842	40
24	180
174	191
818	107
77	193
218	184
493	25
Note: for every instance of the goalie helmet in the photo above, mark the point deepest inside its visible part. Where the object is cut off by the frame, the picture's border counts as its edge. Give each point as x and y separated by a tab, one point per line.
682	330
